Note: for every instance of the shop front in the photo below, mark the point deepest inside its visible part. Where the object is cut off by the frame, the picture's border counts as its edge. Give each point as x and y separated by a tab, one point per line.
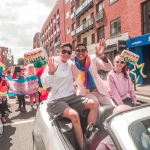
141	46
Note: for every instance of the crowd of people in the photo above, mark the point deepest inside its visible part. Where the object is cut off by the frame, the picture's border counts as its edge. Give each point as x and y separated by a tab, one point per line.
76	85
16	73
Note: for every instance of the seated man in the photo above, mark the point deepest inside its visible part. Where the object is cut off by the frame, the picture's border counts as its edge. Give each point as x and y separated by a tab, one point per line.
89	83
62	100
107	143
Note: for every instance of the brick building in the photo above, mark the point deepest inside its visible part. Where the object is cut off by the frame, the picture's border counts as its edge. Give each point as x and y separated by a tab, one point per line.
37	40
90	20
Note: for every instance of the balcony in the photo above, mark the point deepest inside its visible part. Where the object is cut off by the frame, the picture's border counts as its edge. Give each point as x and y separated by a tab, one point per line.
72	15
100	15
73	32
83	7
89	24
57	44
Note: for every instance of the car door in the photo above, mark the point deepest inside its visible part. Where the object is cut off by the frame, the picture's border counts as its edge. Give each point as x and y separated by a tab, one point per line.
128	129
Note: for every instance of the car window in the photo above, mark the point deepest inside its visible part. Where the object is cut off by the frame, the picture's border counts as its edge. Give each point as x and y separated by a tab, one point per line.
140	134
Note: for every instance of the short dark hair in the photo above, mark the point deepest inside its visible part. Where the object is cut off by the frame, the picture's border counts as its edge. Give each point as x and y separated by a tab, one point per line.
81	44
66	44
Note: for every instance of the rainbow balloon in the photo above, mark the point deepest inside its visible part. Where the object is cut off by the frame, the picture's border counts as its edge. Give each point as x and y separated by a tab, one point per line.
130	57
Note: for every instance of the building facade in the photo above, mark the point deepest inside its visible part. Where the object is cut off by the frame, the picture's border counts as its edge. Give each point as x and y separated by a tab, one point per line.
37	40
90	20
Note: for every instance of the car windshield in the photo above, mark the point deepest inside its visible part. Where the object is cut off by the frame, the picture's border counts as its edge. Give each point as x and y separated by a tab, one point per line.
140	134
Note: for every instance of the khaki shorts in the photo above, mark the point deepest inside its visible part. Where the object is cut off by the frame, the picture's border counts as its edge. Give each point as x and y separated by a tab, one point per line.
76	102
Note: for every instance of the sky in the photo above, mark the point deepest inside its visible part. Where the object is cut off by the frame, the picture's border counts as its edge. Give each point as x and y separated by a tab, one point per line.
20	20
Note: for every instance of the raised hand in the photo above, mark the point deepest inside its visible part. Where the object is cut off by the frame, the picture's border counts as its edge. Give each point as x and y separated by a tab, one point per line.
99	50
51	65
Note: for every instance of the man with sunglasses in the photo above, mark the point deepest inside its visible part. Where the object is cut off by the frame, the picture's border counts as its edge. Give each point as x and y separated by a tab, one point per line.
62	100
89	83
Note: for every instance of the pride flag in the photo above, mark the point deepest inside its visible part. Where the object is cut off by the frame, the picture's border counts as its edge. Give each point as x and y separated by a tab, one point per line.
24	86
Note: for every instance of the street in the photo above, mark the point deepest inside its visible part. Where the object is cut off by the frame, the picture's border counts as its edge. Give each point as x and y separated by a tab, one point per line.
17	133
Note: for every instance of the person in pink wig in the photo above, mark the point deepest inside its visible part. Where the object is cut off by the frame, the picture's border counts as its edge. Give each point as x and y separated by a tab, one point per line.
30	71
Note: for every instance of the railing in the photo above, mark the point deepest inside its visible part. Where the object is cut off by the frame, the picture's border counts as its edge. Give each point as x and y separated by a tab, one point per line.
57	43
73	32
83	6
100	15
85	25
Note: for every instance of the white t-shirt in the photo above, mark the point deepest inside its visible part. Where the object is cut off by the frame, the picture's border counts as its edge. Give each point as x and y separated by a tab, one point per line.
61	82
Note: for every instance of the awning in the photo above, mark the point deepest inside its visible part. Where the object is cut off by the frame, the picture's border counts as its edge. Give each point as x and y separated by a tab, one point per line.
138	41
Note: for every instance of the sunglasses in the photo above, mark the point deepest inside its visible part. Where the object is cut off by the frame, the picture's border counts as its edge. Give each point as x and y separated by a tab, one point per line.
80	50
64	51
121	62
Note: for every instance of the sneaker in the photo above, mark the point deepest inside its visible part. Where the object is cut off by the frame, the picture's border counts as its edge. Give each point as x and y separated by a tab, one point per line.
18	109
9	111
3	119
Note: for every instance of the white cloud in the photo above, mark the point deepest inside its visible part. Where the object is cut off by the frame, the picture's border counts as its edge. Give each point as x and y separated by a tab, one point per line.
19	21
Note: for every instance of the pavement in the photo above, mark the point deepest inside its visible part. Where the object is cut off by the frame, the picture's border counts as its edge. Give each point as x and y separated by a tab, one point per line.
143	90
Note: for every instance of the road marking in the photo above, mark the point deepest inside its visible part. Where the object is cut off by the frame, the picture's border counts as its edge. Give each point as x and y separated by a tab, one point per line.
19	122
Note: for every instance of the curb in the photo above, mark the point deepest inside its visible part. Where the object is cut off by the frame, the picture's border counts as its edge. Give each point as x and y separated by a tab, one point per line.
140	94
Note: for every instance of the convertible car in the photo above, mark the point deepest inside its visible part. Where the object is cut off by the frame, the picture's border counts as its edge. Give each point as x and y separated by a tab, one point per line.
124	129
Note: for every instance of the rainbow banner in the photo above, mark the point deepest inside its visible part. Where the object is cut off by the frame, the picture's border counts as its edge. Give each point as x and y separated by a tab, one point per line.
24	86
130	57
35	55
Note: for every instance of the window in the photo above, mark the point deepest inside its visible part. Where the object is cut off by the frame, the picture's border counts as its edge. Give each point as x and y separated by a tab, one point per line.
73	26
112	1
73	9
100	6
146	17
85	41
74	44
67	15
140	132
67	1
101	33
115	27
92	38
68	30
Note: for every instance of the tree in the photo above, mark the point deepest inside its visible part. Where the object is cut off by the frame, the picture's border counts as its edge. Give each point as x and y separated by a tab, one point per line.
20	61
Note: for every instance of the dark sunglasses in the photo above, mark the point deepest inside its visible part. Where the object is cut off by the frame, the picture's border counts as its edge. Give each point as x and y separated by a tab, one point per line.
122	62
64	51
80	50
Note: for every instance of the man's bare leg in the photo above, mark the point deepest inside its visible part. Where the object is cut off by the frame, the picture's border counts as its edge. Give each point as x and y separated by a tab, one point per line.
74	117
93	106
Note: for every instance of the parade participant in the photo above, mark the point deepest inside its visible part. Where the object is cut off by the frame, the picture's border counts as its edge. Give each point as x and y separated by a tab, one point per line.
88	81
3	92
120	84
62	100
30	71
17	75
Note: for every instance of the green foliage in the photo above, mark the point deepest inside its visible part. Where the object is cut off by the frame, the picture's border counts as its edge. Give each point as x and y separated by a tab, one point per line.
20	61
